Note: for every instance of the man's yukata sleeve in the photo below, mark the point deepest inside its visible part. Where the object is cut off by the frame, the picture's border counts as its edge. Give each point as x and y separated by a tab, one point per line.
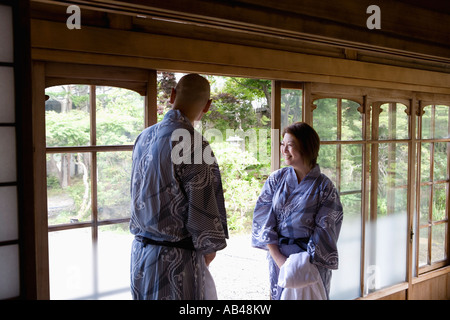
206	214
322	246
264	221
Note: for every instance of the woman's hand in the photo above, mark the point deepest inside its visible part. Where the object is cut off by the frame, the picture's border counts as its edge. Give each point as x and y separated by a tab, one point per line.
277	256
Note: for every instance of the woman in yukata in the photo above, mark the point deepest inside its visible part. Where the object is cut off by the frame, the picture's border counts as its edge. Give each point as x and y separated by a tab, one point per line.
298	210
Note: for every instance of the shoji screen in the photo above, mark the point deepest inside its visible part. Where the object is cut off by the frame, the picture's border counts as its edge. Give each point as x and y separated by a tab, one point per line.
9	226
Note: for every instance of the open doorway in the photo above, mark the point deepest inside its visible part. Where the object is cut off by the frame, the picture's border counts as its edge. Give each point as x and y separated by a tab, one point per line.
90	131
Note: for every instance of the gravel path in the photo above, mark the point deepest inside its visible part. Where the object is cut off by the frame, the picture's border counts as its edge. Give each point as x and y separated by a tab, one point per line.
241	271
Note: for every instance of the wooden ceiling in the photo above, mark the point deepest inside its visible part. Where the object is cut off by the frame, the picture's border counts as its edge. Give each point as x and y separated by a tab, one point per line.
414	34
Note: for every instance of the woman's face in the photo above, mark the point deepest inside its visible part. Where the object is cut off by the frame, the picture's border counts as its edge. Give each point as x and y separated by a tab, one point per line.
290	150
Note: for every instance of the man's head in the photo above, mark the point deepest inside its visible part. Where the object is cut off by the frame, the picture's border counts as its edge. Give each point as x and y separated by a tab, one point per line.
191	96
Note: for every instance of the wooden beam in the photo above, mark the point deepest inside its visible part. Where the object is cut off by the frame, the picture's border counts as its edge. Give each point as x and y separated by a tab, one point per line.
54	42
405	29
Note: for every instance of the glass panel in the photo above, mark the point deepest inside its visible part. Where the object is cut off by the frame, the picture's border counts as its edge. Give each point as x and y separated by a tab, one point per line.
351	121
325	119
113	187
71	264
423	246
67	120
8	214
120	115
441	129
345	282
425	169
8	156
9	272
439	200
438	233
425	196
327	161
386	250
6	34
386	241
427	132
7	105
114	252
291	107
440	161
68	187
351	166
393	122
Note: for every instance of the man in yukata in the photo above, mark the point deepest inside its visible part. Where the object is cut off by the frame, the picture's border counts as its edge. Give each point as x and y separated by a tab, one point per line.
298	210
178	213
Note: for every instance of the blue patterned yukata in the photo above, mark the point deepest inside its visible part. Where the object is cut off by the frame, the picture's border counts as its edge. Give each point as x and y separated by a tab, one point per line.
309	212
180	202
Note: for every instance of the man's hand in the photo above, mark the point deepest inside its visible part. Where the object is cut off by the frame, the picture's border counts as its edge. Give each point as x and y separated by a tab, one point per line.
209	257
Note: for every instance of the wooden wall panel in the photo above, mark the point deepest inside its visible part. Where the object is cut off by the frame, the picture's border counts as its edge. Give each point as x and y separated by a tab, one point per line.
437	288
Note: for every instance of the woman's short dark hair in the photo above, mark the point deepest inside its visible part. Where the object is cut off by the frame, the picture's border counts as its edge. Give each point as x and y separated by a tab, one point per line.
308	139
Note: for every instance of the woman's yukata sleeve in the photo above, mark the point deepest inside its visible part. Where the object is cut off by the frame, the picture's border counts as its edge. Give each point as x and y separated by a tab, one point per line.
264	220
322	245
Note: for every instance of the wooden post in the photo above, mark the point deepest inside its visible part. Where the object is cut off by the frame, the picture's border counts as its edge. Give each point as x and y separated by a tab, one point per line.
40	179
275	125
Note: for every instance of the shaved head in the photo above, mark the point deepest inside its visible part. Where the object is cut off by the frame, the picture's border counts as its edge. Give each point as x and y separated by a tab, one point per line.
192	90
191	95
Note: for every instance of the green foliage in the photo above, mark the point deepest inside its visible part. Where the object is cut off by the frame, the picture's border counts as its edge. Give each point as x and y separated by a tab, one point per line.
67	129
241	187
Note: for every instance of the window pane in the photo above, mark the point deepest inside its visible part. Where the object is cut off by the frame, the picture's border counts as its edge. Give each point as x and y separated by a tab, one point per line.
425	196
113	187
441	122
386	250
440	161
425	169
345	282
120	115
423	246
71	264
351	166
427	132
67	116
386	231
327	161
351	121
393	122
393	164
439	200
291	107
438	233
325	119
114	252
68	187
